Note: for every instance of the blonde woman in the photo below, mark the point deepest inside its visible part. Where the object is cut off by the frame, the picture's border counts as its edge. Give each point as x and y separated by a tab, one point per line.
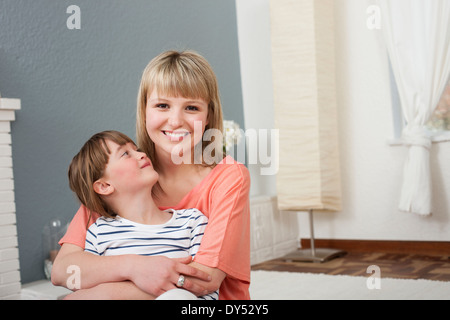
178	117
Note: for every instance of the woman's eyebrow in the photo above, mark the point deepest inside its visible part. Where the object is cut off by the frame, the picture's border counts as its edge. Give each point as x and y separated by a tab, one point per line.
194	101
158	100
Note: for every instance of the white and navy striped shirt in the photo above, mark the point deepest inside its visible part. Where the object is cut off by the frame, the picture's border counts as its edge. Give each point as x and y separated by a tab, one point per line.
177	238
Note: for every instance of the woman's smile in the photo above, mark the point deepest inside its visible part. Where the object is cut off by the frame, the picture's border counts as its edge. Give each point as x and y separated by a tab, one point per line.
175	135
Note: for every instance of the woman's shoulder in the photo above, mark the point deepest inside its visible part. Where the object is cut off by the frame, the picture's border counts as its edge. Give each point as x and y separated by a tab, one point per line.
230	171
230	166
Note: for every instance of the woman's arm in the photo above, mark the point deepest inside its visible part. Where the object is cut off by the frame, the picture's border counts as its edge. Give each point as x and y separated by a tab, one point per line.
225	244
216	274
153	275
198	226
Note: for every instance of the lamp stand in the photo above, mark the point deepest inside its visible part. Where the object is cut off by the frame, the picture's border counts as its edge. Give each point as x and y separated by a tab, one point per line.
314	254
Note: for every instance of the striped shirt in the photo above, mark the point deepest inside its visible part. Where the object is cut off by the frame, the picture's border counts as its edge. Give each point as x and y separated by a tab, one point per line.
177	238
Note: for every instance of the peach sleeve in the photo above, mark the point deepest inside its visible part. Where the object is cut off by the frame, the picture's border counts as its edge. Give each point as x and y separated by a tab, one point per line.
76	232
226	242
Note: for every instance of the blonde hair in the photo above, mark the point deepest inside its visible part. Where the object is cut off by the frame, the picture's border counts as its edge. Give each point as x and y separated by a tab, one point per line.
185	74
89	165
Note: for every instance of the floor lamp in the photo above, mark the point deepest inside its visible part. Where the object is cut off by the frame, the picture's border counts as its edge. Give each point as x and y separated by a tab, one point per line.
313	254
303	73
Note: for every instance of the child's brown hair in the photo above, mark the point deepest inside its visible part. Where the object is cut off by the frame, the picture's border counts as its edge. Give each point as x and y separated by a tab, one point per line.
88	166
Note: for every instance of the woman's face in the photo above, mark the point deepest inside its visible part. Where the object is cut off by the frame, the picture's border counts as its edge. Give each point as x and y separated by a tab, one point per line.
175	124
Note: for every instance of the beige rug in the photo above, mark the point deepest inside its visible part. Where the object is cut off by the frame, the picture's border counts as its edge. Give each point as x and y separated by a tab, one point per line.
274	285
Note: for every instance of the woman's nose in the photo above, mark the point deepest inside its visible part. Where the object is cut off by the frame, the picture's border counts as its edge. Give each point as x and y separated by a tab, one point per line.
175	119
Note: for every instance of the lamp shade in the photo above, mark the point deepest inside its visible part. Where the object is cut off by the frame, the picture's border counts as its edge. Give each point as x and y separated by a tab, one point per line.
303	68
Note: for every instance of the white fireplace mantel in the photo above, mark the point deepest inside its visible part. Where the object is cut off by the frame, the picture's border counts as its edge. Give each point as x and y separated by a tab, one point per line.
9	253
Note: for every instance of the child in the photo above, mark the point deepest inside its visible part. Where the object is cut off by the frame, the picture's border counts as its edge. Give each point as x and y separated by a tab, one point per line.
113	178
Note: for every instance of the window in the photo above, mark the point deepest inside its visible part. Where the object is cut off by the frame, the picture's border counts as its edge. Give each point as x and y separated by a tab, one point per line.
397	115
439	124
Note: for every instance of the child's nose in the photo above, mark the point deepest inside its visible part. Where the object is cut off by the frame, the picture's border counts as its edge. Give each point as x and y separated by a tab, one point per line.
140	155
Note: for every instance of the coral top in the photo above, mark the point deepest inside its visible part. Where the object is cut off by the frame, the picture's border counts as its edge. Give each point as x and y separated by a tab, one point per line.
223	196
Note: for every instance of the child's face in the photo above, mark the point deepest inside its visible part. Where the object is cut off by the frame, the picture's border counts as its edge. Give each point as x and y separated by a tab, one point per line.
128	169
172	121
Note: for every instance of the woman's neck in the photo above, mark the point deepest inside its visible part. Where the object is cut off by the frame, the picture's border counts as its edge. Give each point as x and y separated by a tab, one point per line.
168	169
176	182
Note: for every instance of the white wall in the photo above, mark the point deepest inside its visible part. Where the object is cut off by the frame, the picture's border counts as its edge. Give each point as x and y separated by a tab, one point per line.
273	234
371	169
253	20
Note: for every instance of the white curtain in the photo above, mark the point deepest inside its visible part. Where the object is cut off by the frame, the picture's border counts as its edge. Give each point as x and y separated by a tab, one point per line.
417	36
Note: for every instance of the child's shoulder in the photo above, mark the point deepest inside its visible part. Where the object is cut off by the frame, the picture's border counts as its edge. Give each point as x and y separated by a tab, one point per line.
191	214
106	220
103	221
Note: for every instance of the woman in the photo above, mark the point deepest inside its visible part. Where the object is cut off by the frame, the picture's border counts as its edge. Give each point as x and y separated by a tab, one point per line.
178	105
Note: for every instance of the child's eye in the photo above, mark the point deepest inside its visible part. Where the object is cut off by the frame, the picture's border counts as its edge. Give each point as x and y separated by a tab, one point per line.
125	154
162	106
191	108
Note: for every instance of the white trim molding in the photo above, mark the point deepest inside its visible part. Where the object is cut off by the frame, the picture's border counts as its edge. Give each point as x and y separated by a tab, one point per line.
9	252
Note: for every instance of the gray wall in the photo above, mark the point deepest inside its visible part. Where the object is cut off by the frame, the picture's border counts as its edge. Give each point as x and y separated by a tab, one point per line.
74	83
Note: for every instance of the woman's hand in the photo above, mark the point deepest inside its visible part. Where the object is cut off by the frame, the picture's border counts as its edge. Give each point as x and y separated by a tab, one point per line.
159	274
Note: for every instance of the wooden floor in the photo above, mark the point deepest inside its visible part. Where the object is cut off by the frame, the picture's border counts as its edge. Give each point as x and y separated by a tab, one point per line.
392	265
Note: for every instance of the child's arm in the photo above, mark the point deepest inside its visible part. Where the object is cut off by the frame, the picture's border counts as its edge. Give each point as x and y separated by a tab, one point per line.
125	290
154	275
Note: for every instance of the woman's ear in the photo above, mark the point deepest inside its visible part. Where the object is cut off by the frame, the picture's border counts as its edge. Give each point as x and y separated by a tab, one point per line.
103	188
